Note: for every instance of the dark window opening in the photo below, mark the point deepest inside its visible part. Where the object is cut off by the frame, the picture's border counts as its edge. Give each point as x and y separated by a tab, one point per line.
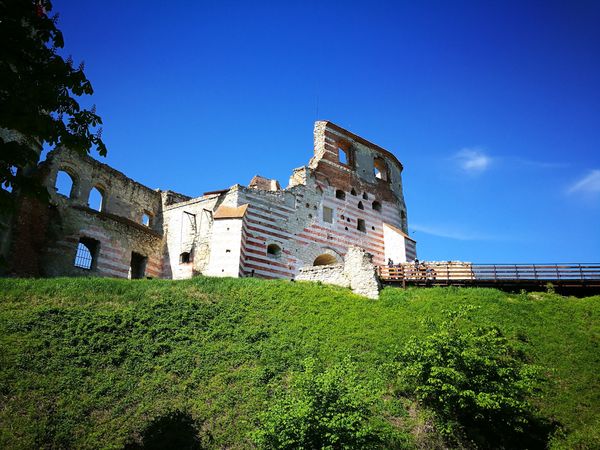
274	250
360	225
138	266
348	219
376	205
65	184
353	192
360	205
185	258
87	251
365	196
340	194
342	156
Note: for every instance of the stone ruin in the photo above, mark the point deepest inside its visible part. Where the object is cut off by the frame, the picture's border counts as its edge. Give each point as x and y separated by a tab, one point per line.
348	195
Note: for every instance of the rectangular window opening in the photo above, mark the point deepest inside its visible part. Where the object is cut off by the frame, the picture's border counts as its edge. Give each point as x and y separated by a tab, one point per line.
342	156
360	225
327	214
138	266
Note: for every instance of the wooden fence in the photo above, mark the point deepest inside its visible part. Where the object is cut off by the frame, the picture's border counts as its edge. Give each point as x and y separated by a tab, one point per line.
502	275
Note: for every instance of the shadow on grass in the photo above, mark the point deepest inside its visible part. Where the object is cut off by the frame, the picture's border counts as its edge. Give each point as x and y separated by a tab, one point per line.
534	435
176	430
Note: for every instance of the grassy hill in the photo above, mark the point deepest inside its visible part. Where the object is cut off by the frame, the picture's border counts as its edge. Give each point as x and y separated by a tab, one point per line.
102	363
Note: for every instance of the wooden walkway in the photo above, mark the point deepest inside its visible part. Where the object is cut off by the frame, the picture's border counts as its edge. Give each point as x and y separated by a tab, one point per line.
565	278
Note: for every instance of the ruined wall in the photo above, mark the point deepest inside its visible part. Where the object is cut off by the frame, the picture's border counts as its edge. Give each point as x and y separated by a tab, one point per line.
357	272
297	218
328	207
188	228
346	196
116	230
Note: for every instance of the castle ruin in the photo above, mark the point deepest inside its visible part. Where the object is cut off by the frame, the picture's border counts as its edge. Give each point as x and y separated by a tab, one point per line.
349	195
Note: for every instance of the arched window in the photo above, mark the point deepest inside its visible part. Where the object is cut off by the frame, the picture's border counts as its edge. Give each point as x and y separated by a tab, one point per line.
380	169
340	194
185	258
325	260
274	250
87	250
365	196
376	205
96	199
64	184
360	205
353	192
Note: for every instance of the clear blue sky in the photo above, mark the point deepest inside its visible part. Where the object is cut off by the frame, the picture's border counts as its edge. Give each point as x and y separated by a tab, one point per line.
492	107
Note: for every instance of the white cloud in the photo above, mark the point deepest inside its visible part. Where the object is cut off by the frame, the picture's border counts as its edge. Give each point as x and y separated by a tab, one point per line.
473	160
589	184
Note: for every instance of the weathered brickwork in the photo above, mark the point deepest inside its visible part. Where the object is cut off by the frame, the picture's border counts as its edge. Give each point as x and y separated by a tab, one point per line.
349	195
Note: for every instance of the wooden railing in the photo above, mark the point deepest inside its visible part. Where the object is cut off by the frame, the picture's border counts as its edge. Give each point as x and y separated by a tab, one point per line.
453	273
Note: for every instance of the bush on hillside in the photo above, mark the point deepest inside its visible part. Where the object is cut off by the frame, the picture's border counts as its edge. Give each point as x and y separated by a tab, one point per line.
476	382
328	409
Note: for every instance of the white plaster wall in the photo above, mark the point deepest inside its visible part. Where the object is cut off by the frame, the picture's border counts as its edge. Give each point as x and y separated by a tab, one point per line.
394	243
225	248
180	236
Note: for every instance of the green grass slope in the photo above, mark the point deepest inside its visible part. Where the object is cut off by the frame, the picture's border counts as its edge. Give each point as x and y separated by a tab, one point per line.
92	363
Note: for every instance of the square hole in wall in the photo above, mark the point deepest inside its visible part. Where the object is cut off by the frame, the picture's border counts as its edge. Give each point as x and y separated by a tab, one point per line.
360	225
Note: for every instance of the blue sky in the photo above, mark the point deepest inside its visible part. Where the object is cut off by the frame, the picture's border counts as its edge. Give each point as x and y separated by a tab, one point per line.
492	107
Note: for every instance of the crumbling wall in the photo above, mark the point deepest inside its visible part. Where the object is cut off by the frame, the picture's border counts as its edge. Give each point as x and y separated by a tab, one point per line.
56	229
327	207
188	227
330	205
358	273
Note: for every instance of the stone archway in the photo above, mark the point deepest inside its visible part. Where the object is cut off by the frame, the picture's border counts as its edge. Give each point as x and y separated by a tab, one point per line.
325	259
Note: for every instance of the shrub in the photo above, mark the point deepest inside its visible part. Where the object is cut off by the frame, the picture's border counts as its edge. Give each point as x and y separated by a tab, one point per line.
328	409
474	379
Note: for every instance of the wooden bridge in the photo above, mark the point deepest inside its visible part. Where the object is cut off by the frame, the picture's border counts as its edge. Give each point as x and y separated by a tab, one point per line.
578	279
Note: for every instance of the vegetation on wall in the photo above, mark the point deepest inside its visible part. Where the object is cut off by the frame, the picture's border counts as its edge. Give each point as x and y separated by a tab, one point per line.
39	93
239	363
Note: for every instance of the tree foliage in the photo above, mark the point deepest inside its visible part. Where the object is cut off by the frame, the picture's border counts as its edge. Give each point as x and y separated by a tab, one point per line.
38	91
474	379
328	409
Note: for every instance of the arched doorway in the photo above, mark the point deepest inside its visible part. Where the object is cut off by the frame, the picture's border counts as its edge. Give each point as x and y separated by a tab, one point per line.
324	260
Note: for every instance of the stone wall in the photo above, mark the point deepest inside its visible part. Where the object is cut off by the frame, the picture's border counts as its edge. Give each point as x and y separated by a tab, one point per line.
330	205
358	273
